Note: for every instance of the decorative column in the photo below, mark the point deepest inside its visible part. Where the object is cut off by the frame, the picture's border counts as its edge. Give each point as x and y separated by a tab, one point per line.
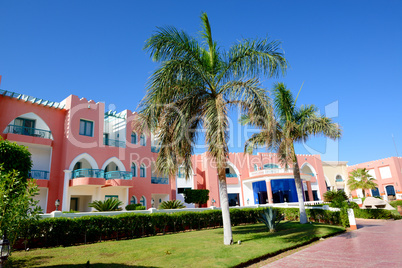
310	192
65	205
269	191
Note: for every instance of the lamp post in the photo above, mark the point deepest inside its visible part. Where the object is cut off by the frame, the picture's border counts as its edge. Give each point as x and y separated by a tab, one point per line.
4	250
213	201
57	204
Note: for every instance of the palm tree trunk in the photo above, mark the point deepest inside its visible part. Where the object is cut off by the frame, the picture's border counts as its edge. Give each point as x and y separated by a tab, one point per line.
223	192
299	189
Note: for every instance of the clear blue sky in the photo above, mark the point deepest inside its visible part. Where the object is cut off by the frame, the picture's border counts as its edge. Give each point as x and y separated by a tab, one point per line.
349	52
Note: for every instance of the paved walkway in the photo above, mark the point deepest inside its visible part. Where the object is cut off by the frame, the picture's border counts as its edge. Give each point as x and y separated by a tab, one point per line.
376	243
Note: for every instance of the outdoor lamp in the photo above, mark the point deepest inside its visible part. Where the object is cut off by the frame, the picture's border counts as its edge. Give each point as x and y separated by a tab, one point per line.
4	249
213	201
57	204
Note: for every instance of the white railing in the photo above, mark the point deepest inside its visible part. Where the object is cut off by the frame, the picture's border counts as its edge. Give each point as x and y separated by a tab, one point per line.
270	171
57	214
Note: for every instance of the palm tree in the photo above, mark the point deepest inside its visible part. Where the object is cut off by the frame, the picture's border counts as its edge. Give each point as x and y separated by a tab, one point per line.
285	126
194	87
361	179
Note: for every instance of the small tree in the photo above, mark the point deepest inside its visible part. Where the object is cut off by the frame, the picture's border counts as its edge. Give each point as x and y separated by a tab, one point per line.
17	207
199	197
15	157
361	179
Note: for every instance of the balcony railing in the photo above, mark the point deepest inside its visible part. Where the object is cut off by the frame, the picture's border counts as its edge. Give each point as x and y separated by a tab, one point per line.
114	143
88	172
38	174
29	131
270	171
155	148
159	180
120	175
231	175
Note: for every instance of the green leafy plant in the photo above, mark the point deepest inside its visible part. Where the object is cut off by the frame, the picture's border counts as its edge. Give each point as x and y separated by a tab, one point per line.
269	217
199	196
135	207
396	203
361	179
171	204
111	204
329	196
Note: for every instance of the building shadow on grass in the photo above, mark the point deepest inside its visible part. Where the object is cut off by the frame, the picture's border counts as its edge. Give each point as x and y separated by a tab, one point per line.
32	262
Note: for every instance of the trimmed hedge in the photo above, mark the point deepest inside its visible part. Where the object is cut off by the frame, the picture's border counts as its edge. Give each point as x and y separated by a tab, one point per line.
53	232
375	214
396	203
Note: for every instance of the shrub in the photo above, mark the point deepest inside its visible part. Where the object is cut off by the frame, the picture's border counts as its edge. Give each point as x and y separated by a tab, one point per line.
396	203
62	231
135	207
375	214
199	196
111	204
353	205
171	204
271	218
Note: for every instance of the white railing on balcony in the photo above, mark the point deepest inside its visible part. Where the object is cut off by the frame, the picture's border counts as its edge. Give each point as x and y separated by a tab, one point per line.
270	171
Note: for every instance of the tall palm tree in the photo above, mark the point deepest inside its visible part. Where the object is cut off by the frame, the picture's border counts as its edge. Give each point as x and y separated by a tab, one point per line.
361	179
194	87
285	126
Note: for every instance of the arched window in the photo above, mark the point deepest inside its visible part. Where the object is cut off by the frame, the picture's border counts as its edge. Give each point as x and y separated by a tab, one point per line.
268	166
143	141
134	138
143	201
134	169
133	200
143	171
338	178
390	189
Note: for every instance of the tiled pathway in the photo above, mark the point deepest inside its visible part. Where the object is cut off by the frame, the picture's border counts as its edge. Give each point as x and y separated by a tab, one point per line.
376	243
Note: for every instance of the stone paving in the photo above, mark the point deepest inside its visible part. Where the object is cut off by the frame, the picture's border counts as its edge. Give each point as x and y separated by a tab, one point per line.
376	243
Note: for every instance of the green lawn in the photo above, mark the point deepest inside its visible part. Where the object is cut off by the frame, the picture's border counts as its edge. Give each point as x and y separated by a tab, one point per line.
198	248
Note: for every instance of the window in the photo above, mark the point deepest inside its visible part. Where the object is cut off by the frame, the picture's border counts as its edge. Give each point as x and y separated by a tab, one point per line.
86	128
181	190
24	126
133	138
268	166
143	172
143	141
133	200
111	196
134	169
255	167
375	192
338	178
143	201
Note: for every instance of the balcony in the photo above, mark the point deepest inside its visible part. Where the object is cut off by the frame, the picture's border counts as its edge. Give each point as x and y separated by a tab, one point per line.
88	172
231	175
159	180
114	143
28	131
39	174
120	175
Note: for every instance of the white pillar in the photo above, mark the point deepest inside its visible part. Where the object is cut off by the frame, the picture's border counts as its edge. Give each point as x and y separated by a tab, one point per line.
65	203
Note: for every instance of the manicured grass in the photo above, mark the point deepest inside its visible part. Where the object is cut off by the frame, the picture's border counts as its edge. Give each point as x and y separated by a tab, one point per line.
197	248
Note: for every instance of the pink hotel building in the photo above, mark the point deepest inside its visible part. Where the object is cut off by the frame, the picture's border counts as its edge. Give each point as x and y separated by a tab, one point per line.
81	153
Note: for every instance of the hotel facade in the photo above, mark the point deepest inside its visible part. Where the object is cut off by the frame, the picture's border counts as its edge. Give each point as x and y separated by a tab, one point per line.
81	153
